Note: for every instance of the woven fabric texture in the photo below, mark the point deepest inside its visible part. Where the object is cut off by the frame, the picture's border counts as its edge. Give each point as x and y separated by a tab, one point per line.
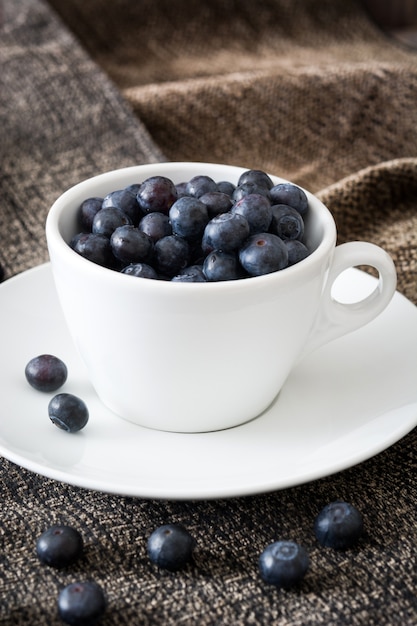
309	90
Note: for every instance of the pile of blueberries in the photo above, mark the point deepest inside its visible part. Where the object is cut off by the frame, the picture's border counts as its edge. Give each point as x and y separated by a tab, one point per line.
195	231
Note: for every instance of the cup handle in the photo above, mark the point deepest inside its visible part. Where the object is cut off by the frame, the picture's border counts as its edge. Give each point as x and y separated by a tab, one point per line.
337	318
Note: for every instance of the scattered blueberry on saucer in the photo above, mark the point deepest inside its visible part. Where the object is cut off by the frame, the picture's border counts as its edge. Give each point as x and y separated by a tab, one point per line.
68	412
46	372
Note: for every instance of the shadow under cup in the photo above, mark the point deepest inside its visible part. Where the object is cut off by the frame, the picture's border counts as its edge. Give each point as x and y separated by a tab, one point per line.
197	357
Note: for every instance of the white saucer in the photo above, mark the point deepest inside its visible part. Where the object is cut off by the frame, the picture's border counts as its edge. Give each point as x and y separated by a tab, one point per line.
343	404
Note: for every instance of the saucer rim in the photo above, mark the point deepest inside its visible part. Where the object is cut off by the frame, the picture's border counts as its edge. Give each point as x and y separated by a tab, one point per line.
43	274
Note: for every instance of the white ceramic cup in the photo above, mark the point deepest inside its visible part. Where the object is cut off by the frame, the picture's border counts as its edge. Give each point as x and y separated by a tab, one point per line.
196	357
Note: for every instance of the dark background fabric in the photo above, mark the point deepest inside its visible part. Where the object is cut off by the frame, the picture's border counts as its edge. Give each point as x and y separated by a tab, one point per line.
309	90
61	121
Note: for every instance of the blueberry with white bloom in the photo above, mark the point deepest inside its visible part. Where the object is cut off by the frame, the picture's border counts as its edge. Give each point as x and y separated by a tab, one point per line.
81	603
283	564
46	372
339	525
68	412
170	546
262	254
59	546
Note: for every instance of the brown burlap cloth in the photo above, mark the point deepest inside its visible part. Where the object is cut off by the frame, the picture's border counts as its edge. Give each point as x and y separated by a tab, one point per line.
310	90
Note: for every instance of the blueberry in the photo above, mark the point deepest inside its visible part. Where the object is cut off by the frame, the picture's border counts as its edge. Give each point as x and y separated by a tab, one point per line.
297	251
188	217
225	186
258	177
68	412
256	208
46	372
76	238
339	525
220	265
133	188
170	547
131	245
171	255
125	201
181	189
225	232
156	193
216	202
190	274
156	225
59	546
140	270
288	193
262	254
283	564
95	248
107	220
198	185
88	209
248	188
286	222
81	603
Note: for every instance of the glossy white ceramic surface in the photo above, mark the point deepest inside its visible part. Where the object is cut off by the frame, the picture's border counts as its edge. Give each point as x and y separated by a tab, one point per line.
344	403
202	357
